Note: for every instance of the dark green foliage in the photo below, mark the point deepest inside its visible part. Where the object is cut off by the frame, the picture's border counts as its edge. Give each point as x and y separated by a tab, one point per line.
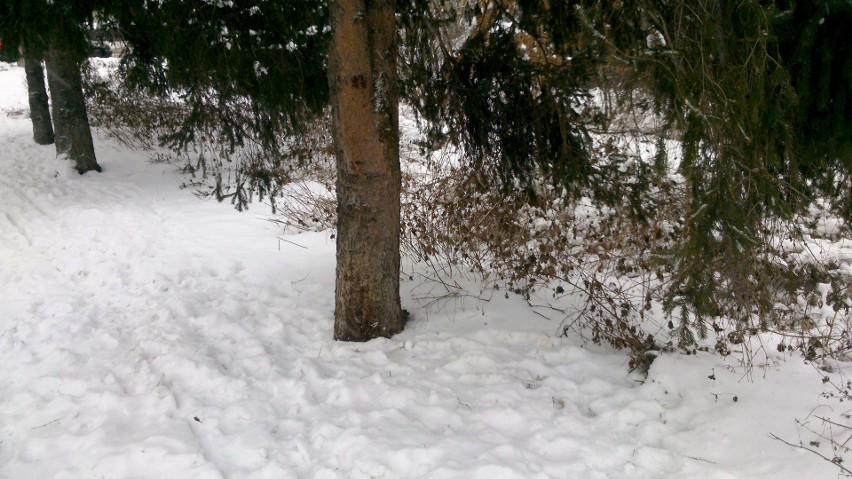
61	23
714	80
510	114
764	132
754	148
512	94
815	47
251	76
245	68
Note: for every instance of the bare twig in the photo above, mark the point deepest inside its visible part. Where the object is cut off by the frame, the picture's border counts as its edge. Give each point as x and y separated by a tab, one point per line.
836	461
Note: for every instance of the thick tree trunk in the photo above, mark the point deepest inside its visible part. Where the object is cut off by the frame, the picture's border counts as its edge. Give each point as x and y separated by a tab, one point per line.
73	134
39	109
364	99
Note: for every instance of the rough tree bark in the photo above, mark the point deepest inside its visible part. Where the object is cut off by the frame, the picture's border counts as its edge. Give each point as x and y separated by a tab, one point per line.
39	109
364	99
71	123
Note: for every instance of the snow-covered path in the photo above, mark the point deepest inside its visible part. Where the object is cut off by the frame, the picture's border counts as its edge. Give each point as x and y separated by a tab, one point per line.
147	334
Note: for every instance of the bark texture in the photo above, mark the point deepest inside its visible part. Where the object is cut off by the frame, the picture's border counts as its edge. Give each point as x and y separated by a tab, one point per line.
364	98
39	109
70	121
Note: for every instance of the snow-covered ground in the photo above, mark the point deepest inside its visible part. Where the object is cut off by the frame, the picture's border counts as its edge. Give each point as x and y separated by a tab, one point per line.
145	333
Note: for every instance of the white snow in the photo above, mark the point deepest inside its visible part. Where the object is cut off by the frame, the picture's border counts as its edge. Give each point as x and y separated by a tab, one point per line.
147	334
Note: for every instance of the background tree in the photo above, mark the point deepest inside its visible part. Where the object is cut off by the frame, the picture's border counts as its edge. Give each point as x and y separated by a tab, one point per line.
59	27
38	99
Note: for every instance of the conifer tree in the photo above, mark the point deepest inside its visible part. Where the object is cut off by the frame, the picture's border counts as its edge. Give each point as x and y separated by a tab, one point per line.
514	91
59	28
726	78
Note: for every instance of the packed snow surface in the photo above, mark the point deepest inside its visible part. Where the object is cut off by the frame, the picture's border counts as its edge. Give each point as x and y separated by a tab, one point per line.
145	333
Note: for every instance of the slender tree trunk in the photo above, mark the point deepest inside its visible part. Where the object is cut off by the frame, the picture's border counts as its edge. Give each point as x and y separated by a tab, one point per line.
73	134
364	99
39	109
